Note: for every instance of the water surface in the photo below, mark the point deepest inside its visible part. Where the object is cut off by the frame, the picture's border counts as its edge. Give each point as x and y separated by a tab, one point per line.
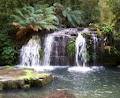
95	83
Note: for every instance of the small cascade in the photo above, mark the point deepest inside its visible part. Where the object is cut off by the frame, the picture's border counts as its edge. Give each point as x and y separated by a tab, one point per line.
48	48
95	44
29	54
81	51
55	47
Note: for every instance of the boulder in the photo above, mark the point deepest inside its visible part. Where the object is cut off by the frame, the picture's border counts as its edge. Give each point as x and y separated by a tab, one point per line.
60	94
15	78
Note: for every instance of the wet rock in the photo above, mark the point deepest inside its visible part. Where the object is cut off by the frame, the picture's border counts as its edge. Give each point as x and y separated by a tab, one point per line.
60	94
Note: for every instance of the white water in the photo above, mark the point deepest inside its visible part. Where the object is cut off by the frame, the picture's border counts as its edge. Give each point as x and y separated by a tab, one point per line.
29	53
81	51
95	44
85	69
48	48
49	44
82	69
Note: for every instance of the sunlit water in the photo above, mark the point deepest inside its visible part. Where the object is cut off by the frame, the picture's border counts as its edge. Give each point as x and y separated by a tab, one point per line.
95	82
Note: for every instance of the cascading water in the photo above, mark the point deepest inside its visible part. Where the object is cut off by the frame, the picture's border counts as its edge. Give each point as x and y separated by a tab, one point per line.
95	44
55	44
81	54
48	48
52	48
29	53
81	51
55	54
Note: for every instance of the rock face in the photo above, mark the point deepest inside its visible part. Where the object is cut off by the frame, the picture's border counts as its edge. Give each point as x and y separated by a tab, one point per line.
60	94
14	78
59	54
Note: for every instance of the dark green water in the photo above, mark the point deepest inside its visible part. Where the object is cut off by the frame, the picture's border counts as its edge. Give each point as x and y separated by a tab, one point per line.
100	83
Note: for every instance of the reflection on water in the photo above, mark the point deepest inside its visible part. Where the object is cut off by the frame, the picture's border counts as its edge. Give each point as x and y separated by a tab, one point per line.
103	83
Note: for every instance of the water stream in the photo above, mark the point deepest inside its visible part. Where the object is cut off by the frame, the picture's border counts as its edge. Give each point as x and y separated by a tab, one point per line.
95	44
48	49
29	53
81	50
55	47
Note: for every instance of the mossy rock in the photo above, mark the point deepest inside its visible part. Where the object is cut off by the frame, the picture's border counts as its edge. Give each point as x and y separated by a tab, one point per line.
14	78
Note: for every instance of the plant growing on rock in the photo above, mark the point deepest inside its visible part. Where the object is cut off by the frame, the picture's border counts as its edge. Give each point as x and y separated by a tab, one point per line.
71	48
41	52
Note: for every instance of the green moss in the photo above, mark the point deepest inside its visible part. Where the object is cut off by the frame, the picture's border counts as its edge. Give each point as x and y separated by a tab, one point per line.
24	78
30	74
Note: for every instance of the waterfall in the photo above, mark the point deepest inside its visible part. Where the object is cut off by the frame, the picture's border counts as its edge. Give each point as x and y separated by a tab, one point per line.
95	44
29	53
81	54
81	50
52	48
55	47
48	48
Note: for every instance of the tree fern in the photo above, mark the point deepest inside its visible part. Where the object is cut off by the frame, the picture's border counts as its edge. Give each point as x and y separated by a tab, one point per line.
40	17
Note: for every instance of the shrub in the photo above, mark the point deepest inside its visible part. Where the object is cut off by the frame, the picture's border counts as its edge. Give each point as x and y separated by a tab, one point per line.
8	52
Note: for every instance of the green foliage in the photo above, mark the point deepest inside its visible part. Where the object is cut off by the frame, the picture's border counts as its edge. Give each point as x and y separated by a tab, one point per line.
41	52
7	50
90	11
71	48
80	13
40	17
107	29
74	17
8	54
115	7
106	15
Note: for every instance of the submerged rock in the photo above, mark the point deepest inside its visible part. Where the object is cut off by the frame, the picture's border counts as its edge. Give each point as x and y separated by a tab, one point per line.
14	78
60	94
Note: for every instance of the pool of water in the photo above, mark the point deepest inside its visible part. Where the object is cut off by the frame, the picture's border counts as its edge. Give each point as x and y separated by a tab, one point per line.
95	82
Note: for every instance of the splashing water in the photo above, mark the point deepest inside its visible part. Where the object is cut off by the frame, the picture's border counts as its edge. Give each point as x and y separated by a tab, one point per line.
29	53
81	51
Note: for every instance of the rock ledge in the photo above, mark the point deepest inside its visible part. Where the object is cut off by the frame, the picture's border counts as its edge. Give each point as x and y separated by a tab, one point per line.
14	78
